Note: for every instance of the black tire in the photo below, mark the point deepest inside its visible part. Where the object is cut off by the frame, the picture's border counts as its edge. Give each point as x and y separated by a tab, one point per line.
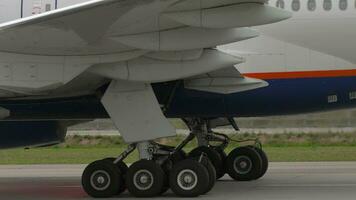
167	167
102	179
145	178
211	170
223	157
221	152
164	189
244	164
178	156
189	169
123	169
265	161
213	156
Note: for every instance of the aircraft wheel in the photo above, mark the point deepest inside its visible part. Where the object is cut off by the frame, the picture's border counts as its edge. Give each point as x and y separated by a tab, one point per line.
167	167
123	169
211	170
221	152
102	179
223	158
189	178
145	178
265	161
244	164
213	156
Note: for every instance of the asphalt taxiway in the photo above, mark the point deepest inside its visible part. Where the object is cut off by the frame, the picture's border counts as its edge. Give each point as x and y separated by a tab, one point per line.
292	181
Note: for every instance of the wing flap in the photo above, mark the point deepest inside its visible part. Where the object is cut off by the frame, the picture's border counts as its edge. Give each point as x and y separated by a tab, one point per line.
225	81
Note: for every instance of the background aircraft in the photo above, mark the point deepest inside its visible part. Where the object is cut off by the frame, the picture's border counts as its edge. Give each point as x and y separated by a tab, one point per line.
99	59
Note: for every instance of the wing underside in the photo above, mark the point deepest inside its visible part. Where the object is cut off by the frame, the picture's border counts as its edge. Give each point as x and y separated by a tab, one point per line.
112	26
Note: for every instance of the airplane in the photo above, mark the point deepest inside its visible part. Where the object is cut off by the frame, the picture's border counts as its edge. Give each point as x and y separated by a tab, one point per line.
140	62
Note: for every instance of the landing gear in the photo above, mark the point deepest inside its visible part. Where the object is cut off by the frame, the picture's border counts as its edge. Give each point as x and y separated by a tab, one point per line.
162	167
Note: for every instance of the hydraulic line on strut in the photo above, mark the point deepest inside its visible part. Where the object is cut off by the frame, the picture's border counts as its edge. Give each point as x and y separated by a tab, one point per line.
125	153
227	140
257	142
184	143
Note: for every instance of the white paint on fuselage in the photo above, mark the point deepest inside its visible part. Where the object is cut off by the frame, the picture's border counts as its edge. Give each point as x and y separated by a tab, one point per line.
310	40
12	9
266	54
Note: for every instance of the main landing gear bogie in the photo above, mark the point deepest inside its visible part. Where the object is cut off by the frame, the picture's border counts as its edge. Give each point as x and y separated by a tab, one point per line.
162	167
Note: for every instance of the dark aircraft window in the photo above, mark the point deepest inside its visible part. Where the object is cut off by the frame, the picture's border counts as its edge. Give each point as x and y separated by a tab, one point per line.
327	5
280	4
295	5
343	4
311	5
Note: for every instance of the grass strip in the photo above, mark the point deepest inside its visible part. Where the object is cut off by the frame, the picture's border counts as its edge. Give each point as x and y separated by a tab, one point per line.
283	147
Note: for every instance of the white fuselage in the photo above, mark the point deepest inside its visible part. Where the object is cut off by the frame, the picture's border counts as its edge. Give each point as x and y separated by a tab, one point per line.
312	40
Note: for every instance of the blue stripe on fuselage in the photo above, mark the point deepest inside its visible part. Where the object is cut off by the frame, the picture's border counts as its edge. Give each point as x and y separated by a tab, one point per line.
282	96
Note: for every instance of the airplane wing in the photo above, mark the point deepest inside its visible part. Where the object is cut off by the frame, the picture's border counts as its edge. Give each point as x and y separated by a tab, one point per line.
112	26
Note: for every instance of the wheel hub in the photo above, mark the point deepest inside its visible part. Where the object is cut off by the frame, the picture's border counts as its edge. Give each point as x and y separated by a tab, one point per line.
242	164
100	180
143	179
187	179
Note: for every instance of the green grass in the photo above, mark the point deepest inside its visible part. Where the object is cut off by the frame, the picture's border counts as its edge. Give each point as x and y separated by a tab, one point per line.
286	147
86	155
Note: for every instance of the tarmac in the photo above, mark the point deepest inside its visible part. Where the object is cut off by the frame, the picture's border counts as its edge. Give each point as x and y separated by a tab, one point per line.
283	181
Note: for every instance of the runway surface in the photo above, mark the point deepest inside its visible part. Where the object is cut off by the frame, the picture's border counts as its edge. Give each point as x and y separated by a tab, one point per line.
284	181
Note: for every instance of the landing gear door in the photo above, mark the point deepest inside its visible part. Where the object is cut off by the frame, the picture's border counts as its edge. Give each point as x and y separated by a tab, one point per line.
34	7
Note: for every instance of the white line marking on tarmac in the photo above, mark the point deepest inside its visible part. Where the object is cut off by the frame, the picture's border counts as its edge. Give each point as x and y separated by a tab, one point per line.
310	185
66	186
